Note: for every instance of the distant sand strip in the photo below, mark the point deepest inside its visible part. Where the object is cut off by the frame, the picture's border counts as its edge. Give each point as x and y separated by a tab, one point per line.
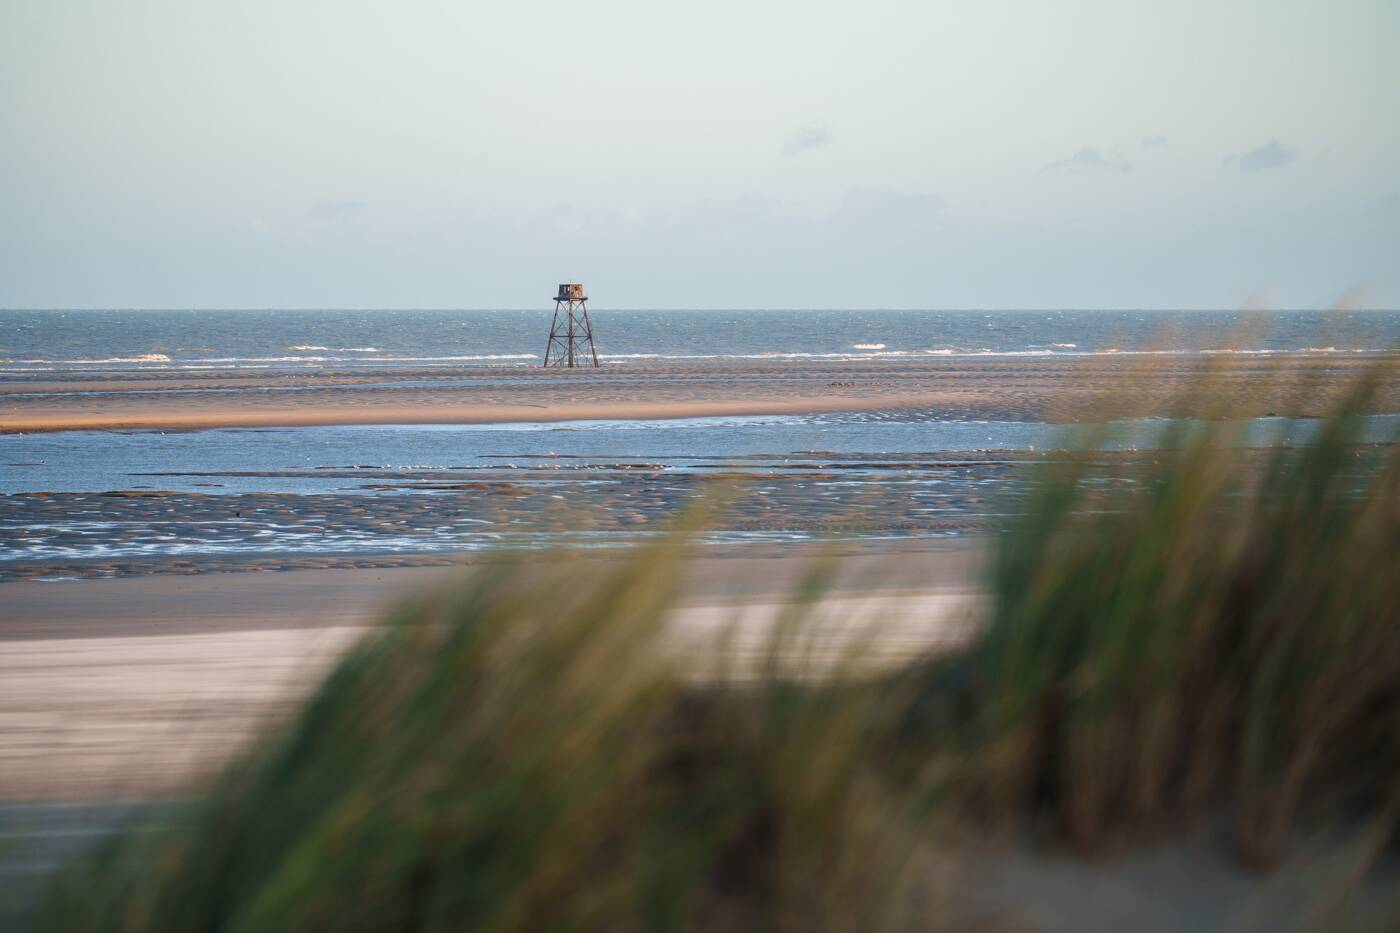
156	419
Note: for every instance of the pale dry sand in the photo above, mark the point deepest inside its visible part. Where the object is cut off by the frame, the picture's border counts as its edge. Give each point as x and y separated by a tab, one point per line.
118	689
137	687
122	718
1036	388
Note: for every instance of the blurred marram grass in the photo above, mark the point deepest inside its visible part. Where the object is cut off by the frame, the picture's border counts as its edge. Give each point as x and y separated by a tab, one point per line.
1215	634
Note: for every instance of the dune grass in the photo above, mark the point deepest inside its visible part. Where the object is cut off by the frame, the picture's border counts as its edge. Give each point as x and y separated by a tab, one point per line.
1214	632
1223	631
511	757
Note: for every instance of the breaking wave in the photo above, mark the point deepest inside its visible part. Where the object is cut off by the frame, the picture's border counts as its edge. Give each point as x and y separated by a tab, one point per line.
139	358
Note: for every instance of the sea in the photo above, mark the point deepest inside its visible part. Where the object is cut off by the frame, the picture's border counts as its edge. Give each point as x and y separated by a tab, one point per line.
46	341
365	490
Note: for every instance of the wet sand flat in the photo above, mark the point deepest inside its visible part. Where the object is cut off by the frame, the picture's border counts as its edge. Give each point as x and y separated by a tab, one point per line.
449	516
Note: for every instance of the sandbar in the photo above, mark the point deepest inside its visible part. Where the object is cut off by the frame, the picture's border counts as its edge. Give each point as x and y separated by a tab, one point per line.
996	388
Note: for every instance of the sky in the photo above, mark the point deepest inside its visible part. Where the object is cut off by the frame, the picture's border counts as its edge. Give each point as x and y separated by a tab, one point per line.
724	154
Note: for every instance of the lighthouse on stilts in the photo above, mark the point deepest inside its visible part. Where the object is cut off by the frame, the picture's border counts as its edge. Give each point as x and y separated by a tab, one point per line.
571	334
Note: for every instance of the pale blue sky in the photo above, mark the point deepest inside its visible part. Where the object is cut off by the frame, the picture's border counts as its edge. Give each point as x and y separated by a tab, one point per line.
796	153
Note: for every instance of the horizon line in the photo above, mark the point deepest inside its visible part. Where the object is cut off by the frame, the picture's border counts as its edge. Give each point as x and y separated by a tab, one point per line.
732	309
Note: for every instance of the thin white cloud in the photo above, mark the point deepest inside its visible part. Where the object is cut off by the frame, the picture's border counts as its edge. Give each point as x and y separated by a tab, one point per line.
805	139
1156	142
1087	162
1267	157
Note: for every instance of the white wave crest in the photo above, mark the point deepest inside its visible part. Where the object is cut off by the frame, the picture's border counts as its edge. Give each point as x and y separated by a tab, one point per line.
139	358
1336	350
663	356
483	356
263	359
867	346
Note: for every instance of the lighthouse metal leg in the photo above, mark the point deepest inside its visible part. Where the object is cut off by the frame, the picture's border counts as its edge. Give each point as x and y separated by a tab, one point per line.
571	334
588	334
553	332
